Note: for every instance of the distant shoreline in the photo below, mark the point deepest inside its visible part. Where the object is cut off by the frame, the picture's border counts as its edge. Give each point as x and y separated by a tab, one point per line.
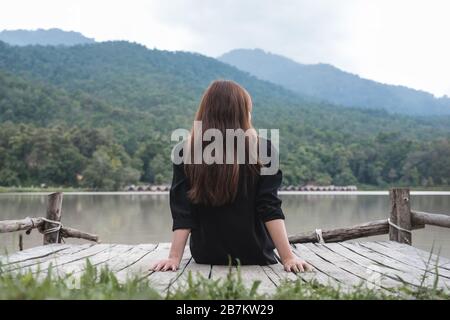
134	193
362	189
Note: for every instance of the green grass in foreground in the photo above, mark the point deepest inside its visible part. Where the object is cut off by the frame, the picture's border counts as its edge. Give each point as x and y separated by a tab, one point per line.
102	284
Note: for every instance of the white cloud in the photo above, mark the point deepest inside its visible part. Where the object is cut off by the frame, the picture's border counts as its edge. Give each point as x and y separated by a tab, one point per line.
399	42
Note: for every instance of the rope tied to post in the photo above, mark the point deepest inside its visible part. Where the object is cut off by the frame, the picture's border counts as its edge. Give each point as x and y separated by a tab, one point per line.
56	228
398	227
319	236
32	225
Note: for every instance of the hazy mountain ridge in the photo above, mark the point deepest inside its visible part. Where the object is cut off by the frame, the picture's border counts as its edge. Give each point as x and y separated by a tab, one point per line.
132	77
328	83
50	37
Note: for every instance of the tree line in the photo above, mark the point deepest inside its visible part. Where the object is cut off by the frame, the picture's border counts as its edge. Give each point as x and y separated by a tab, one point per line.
94	159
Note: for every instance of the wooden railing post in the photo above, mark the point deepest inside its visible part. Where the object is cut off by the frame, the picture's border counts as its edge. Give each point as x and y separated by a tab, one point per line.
53	213
400	217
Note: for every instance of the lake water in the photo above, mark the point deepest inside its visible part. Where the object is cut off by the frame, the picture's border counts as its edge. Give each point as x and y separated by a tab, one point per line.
145	218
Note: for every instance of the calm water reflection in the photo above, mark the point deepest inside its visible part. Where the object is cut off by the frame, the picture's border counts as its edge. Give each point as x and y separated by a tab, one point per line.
144	218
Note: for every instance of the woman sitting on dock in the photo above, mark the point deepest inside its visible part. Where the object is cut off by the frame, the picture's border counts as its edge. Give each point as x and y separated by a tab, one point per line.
232	211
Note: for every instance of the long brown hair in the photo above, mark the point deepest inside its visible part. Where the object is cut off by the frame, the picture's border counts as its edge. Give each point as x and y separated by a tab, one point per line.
224	105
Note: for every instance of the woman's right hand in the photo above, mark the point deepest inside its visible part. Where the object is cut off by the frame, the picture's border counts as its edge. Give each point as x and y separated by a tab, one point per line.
295	265
176	252
166	265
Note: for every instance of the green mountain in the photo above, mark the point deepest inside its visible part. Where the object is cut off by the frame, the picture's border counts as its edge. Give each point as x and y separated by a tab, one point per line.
52	37
100	115
327	83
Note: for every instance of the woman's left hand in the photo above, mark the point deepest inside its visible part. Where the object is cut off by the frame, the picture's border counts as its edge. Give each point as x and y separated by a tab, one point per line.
296	265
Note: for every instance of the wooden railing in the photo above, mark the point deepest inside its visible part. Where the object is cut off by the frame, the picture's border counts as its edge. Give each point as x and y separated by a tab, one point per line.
399	225
51	227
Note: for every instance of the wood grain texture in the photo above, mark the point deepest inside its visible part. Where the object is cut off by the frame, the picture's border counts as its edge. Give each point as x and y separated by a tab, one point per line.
434	219
32	253
54	208
435	259
345	264
342	234
58	263
67	232
363	230
408	259
343	278
21	224
409	275
70	250
250	274
400	215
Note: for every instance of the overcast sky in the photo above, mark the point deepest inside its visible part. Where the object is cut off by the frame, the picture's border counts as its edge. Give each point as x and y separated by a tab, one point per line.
391	41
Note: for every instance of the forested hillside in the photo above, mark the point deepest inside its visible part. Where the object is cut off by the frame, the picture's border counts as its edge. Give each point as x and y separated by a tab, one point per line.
328	83
100	116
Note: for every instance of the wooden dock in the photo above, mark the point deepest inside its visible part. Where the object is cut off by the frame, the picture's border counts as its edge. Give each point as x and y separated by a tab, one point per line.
381	265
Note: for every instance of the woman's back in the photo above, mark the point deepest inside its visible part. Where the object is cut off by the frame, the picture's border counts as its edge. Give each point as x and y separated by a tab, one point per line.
234	230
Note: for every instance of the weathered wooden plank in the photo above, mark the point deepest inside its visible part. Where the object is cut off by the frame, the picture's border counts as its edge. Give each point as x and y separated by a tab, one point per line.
107	256
442	262
122	259
376	272
57	262
142	267
373	267
335	276
327	253
250	274
408	259
27	263
195	270
319	275
131	257
278	275
99	260
163	280
33	253
405	273
283	275
221	272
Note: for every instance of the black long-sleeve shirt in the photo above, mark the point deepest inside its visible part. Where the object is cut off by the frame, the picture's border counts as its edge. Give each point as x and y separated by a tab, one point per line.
234	232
